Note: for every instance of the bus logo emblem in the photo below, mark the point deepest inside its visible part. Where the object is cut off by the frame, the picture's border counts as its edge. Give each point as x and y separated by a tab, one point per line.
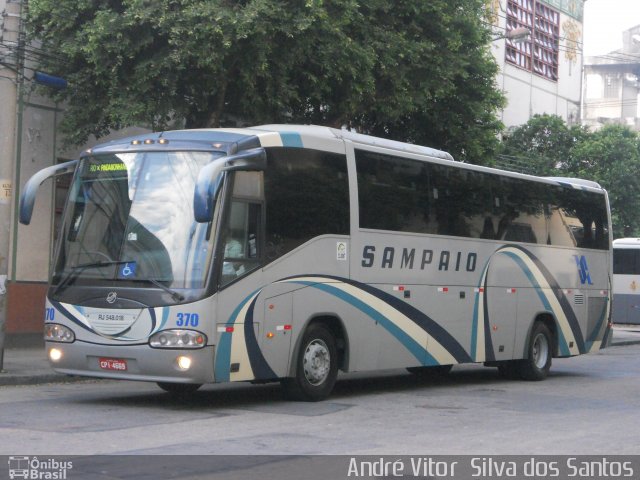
18	467
112	297
583	269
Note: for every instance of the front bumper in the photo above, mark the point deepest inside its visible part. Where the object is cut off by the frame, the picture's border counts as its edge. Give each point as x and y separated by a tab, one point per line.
143	362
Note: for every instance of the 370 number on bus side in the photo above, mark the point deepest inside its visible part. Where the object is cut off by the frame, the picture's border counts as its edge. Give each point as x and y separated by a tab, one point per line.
187	319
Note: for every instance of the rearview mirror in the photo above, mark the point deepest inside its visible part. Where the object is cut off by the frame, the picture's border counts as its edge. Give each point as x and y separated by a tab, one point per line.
28	195
211	177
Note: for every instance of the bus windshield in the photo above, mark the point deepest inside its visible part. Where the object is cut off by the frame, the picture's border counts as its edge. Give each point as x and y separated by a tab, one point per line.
129	221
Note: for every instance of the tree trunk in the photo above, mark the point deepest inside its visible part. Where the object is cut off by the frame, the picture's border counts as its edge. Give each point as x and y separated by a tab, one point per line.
218	110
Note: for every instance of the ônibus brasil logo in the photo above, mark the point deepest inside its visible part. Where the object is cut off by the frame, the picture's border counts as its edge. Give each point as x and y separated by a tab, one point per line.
35	469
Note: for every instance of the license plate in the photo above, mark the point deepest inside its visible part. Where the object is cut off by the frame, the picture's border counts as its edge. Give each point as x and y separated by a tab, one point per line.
117	364
108	317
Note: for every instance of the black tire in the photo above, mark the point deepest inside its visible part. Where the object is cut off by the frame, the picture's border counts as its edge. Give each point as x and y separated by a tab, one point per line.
316	366
179	388
539	352
432	372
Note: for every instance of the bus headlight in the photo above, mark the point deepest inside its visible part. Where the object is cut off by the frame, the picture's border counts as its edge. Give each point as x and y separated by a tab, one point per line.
178	339
54	332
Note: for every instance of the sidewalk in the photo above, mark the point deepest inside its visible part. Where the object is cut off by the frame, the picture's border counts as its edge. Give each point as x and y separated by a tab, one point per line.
28	365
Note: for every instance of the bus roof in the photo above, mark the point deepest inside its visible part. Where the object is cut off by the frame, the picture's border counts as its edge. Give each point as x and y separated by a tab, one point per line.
304	136
626	243
323	132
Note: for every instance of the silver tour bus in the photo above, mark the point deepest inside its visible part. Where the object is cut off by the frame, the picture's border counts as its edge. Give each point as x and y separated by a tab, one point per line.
289	253
626	281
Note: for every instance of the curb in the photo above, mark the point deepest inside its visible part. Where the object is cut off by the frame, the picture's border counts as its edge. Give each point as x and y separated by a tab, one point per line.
625	343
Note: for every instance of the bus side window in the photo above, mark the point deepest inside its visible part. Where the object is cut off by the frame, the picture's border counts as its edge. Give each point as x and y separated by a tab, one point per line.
307	195
240	233
241	240
578	219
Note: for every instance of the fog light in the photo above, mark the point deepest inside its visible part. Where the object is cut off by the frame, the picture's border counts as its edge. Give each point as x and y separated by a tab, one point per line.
184	363
55	354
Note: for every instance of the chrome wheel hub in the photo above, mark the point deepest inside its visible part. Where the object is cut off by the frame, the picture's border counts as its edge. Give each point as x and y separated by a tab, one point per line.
540	351
316	362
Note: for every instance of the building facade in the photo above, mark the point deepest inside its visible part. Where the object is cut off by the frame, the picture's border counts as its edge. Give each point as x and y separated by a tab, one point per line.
612	85
28	143
541	73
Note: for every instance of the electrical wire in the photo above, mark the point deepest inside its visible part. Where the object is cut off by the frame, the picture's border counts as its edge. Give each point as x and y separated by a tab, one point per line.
579	46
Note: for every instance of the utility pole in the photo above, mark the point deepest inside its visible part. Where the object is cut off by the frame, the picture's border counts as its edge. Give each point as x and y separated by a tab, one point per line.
11	79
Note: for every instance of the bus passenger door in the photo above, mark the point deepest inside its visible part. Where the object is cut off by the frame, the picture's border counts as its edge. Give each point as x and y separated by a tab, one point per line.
502	307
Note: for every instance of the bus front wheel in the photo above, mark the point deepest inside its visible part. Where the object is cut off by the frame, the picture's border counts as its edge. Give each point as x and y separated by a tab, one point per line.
316	366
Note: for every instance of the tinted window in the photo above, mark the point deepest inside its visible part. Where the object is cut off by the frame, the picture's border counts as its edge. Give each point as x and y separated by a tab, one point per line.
405	195
307	194
626	261
519	208
578	218
395	194
413	196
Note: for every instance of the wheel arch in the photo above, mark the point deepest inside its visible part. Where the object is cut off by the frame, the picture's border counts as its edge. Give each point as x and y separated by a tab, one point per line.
549	320
334	323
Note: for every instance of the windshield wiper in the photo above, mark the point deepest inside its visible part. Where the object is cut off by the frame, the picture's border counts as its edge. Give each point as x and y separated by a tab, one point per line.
177	297
78	269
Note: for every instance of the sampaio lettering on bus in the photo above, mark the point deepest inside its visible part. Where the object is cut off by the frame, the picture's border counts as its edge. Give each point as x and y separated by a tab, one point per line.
410	258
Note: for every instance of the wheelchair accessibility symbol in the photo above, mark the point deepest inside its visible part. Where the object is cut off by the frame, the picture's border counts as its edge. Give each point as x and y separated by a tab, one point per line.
128	270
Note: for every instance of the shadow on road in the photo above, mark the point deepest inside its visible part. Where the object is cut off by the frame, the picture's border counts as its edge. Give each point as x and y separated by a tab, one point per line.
246	396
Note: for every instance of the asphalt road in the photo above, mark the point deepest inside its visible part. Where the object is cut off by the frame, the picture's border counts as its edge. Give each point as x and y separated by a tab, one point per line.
588	405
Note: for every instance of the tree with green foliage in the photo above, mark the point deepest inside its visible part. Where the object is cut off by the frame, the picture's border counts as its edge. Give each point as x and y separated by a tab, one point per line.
610	156
545	141
410	70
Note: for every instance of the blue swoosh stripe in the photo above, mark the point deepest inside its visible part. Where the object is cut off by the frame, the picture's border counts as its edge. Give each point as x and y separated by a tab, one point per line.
422	320
259	364
419	352
543	298
291	139
69	315
223	352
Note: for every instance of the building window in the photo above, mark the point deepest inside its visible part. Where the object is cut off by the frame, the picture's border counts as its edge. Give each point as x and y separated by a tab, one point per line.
611	86
539	53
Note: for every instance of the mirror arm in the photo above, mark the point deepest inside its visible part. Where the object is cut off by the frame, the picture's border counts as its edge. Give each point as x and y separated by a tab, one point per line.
210	179
30	190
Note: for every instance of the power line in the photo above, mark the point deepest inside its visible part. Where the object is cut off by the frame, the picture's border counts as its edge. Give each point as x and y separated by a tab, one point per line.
579	45
592	103
31	49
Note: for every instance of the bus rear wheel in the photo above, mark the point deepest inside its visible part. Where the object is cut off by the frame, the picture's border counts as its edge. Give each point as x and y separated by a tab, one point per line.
538	362
316	366
179	388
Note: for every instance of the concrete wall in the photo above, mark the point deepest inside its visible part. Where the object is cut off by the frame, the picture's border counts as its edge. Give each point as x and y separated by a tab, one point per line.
528	93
